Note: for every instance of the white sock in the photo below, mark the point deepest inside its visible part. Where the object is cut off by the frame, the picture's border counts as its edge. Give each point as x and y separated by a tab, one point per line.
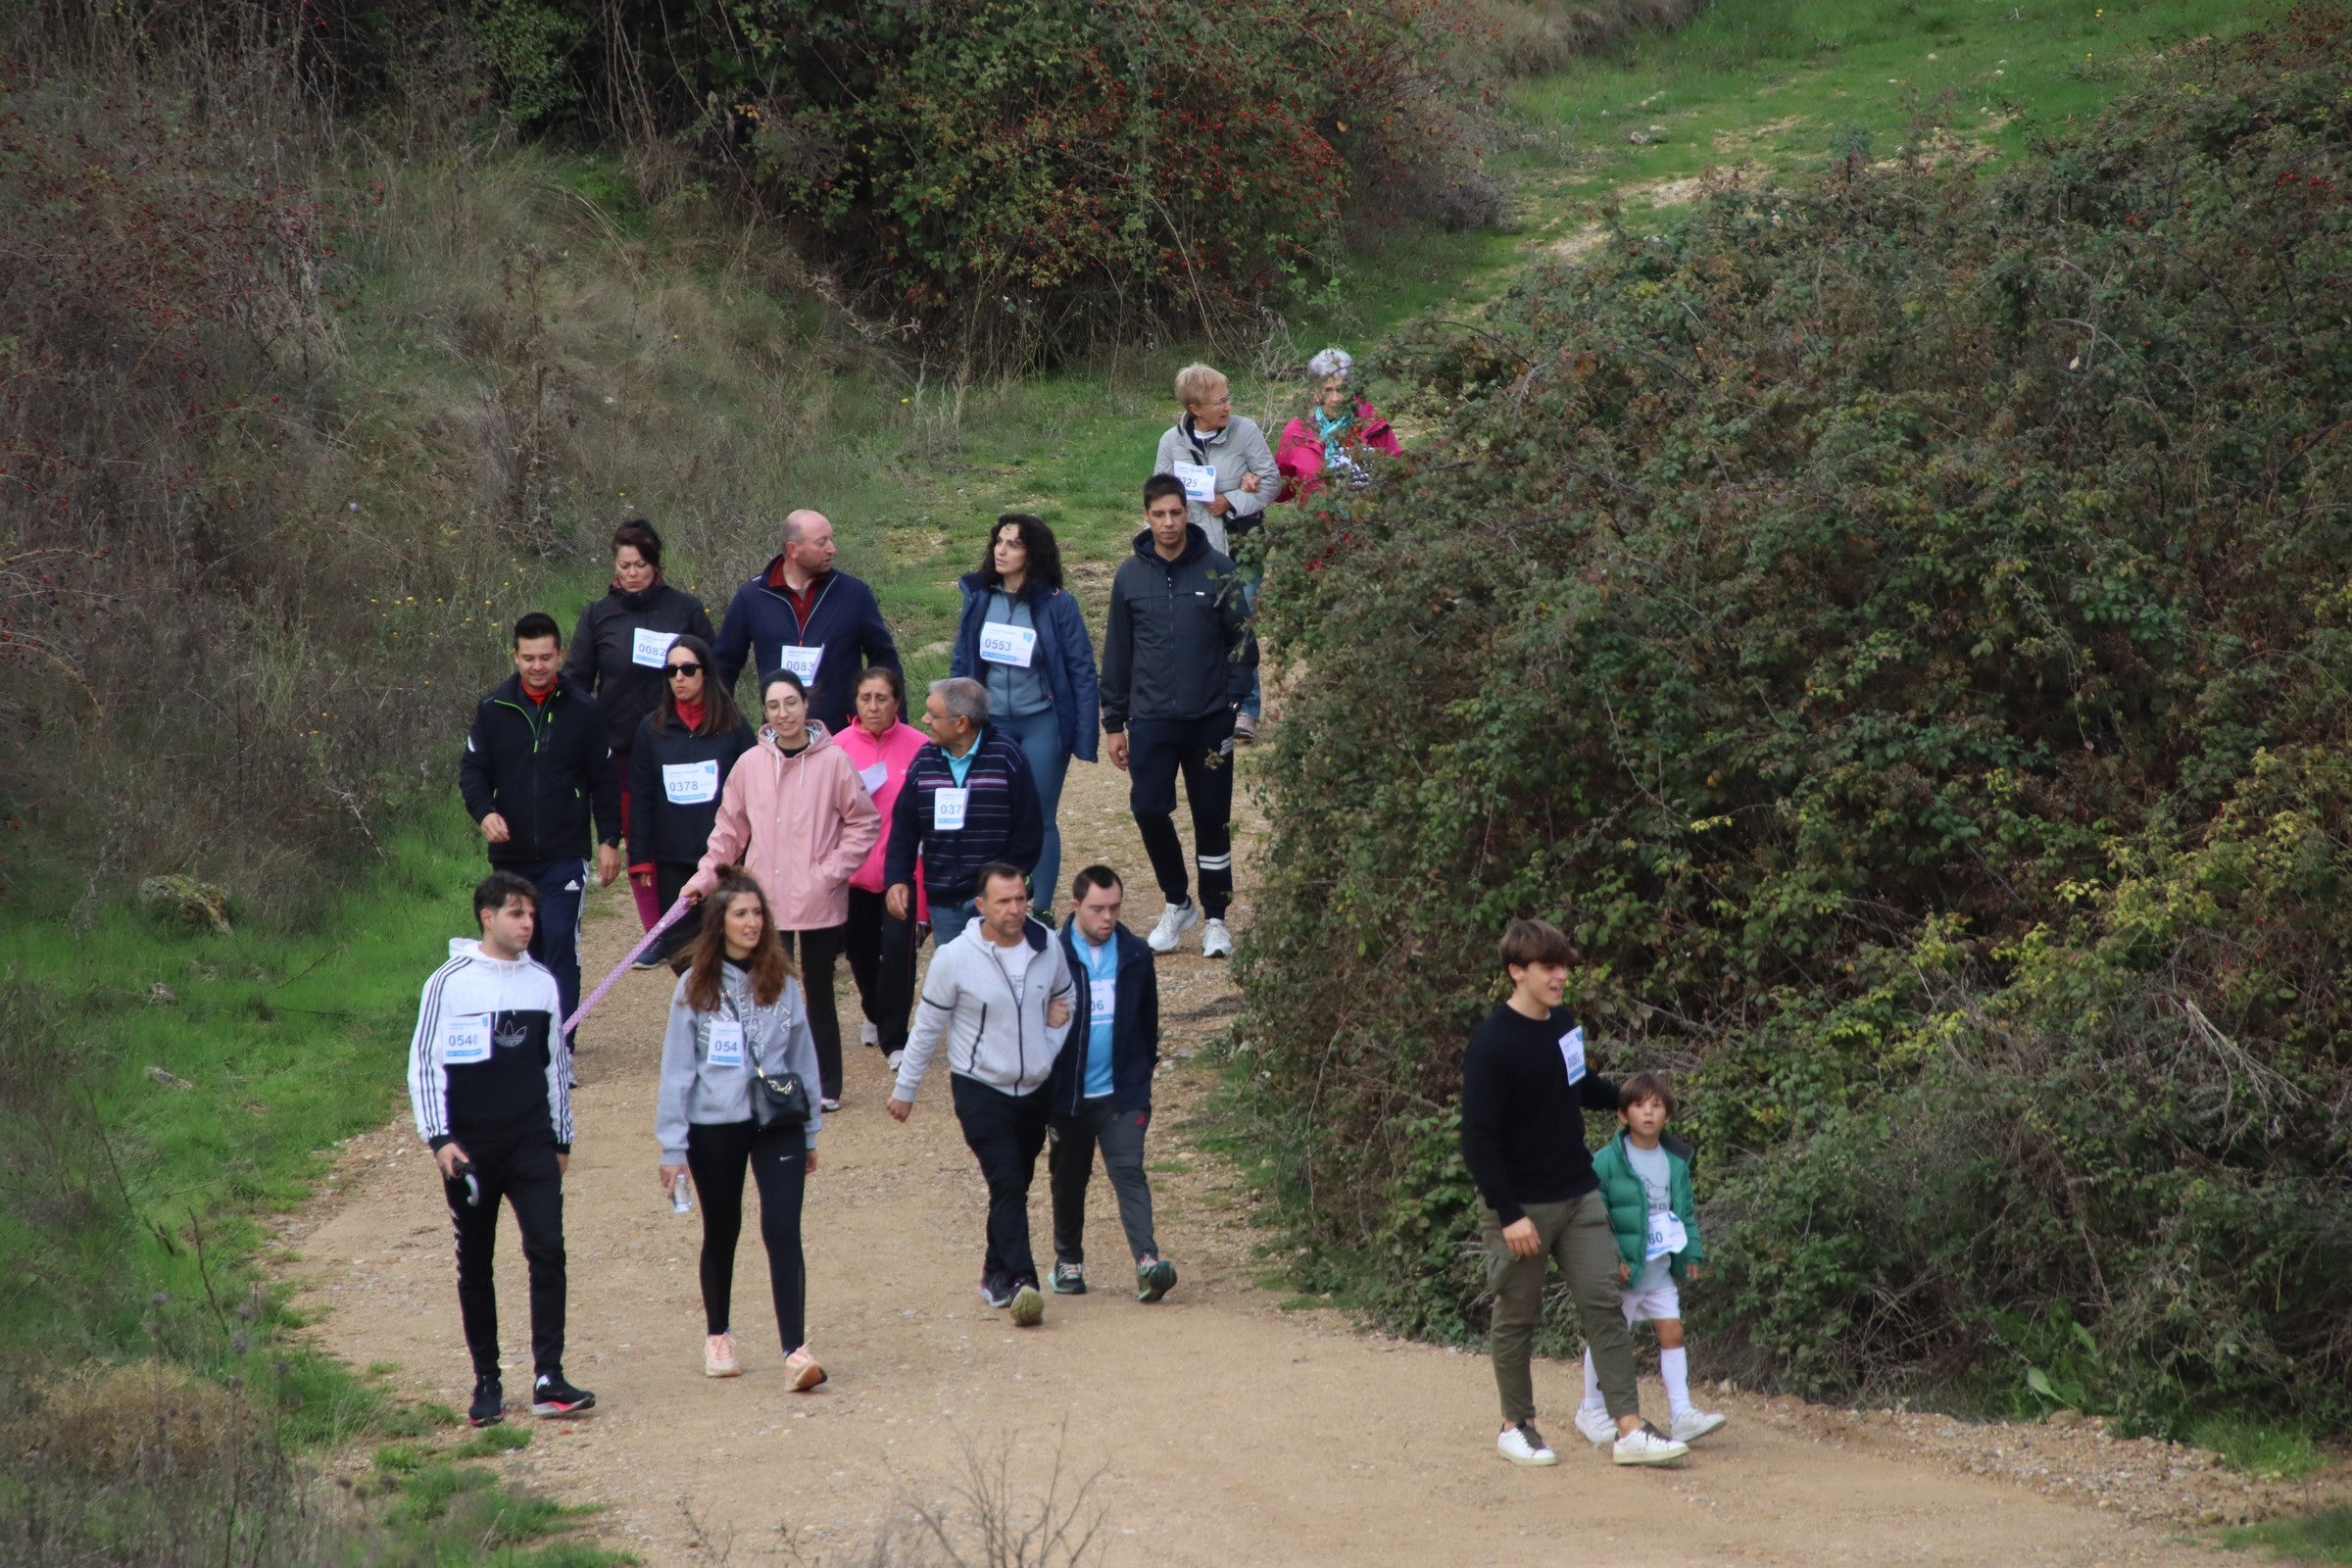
1674	1368
1593	1399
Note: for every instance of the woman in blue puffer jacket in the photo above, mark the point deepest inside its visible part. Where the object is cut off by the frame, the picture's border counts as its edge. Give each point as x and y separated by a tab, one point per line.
1023	638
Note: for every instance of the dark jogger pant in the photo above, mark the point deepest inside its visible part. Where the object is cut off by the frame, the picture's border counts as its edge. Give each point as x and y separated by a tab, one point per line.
1202	750
715	1157
817	950
521	1170
1070	1164
556	936
1005	1133
881	952
670	879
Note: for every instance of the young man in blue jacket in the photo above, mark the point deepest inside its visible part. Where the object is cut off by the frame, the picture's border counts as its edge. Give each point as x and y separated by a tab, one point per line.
537	778
1102	1085
801	615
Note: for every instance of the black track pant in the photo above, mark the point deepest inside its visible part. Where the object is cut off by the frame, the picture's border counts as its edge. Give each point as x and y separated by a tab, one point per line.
818	951
1202	750
670	879
715	1157
521	1170
881	950
1004	1132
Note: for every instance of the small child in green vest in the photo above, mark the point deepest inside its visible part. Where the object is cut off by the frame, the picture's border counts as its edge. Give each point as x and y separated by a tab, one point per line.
1646	1183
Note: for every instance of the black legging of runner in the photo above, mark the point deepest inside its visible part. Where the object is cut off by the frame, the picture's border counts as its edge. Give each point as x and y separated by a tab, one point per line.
818	949
716	1156
881	952
669	876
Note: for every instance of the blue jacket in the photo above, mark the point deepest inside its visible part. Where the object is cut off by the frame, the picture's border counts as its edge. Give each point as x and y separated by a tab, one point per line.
1063	652
1003	821
845	621
1134	1027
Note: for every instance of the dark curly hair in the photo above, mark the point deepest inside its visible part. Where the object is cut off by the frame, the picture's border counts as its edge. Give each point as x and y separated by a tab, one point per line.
1044	556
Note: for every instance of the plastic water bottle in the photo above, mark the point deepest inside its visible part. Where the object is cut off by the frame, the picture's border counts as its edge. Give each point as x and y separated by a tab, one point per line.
679	1200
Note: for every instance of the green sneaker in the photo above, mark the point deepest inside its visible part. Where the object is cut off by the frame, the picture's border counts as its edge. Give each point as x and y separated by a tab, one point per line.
1155	1279
1028	1307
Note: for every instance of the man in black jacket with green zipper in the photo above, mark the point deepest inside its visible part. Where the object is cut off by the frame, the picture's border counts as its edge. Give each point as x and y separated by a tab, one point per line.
537	770
1102	1087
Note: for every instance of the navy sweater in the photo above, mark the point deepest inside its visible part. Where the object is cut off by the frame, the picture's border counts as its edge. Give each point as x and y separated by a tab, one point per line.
1003	821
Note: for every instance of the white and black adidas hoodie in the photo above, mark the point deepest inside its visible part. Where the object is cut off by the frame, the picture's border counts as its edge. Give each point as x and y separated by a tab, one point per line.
479	1064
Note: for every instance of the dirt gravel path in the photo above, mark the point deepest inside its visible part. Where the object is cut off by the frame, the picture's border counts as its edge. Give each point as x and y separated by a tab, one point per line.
1225	1430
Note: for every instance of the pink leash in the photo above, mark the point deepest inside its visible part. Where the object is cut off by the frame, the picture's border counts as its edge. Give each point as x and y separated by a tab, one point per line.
671	916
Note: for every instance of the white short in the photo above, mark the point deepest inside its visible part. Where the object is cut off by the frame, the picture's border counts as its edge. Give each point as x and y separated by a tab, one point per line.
1653	1296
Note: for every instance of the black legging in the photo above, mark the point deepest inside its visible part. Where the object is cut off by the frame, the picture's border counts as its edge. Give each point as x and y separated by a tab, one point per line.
817	952
881	950
716	1154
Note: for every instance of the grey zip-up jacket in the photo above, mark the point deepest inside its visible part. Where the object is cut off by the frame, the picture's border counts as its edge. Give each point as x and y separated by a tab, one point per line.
996	1033
775	1037
1237	450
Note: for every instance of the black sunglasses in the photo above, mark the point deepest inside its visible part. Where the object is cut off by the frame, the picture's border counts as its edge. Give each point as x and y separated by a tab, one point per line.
676	670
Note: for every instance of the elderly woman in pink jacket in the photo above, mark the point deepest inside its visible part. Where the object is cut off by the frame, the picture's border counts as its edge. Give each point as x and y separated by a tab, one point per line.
799	818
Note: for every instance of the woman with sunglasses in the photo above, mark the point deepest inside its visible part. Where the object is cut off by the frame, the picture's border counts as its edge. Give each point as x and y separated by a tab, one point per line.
678	767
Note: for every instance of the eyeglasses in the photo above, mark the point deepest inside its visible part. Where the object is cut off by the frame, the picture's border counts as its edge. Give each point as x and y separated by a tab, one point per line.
675	670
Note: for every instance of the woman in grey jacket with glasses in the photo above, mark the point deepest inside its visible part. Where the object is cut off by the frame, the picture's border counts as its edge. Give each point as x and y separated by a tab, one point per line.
739	1010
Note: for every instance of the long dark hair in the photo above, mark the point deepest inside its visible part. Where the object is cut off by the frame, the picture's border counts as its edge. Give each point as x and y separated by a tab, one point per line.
1044	556
769	964
719	713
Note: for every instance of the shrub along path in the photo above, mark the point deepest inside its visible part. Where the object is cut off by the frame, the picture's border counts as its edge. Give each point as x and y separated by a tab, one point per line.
1227	1429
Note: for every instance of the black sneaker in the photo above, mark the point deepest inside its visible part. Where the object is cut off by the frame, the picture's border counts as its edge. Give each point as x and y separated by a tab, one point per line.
996	1290
551	1396
1069	1278
489	1403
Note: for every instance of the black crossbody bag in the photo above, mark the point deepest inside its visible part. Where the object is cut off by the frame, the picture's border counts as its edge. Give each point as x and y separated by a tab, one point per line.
778	1099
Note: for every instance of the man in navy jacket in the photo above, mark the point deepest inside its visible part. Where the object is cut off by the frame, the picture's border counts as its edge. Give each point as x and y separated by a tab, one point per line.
801	615
967	804
1101	1087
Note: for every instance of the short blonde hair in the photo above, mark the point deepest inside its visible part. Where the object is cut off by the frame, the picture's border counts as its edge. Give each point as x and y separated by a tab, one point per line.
1199	383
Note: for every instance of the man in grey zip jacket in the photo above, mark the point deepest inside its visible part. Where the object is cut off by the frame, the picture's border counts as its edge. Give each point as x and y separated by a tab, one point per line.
999	996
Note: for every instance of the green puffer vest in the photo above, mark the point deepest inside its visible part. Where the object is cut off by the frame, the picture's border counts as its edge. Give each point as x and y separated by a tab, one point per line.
1628	1203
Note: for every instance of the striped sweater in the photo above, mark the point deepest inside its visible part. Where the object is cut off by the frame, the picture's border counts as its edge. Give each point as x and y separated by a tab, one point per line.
1002	819
479	1064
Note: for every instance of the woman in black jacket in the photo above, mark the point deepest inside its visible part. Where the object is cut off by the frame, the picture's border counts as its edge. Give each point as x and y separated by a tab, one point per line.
616	655
679	759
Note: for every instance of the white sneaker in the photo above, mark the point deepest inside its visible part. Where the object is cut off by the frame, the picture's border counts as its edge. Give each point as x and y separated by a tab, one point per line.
1174	921
1645	1444
868	1034
1524	1445
1217	941
1693	1425
893	1060
1595	1423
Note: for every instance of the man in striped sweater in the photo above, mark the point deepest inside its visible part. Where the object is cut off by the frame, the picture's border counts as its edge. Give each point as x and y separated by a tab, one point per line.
968	803
493	1101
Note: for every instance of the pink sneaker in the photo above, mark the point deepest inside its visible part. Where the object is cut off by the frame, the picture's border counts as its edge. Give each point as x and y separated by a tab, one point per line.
719	1357
801	1371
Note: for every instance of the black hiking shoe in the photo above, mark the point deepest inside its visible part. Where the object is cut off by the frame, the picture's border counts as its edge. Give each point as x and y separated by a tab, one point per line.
489	1403
1069	1278
551	1396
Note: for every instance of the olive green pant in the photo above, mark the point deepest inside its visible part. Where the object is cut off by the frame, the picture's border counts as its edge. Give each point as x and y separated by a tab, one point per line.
1576	1234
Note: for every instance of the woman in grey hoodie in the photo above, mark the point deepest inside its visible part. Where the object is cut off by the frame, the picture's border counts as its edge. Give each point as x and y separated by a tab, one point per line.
739	1010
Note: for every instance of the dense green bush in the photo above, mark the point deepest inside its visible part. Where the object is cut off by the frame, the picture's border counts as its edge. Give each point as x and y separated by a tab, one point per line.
1902	629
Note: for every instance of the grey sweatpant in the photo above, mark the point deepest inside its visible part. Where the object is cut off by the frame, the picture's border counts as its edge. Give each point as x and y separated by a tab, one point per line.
1575	1233
1070	1161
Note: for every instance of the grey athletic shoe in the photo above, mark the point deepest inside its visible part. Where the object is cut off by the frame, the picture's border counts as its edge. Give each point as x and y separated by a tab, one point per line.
1155	1279
1028	1307
1069	1278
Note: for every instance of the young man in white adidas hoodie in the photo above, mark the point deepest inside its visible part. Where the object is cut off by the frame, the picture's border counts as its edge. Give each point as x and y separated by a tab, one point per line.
493	1101
1000	995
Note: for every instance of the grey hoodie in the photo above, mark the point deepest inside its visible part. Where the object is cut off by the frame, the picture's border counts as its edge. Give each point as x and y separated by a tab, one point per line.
995	1032
777	1037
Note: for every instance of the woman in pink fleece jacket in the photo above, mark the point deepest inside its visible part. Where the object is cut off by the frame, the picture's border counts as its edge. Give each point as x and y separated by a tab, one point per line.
798	818
881	944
